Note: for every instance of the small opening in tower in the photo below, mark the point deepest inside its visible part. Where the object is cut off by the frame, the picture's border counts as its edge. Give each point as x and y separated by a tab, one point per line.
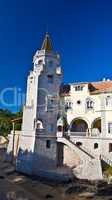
48	144
60	128
50	78
96	146
110	147
40	62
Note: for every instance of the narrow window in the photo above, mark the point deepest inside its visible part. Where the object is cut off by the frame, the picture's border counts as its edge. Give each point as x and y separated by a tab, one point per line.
68	105
89	104
110	147
60	128
96	146
81	88
50	103
48	144
76	88
110	127
50	78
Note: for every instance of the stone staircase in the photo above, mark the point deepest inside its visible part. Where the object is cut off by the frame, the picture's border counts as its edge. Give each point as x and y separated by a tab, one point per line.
107	160
89	167
83	154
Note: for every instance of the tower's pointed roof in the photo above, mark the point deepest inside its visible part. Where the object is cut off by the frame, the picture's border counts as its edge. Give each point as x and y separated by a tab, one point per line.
47	43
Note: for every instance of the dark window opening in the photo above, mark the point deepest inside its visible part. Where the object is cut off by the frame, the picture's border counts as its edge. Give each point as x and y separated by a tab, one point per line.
40	62
50	78
96	146
110	147
48	144
68	105
51	103
78	102
79	144
90	104
60	128
78	88
110	127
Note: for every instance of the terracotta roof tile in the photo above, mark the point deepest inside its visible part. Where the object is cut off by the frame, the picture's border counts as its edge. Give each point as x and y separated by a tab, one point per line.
103	86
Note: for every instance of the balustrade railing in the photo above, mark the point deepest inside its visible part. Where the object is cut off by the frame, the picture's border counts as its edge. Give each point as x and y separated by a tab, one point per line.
83	134
75	133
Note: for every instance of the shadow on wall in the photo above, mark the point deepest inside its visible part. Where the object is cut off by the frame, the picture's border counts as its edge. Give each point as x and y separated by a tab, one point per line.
39	165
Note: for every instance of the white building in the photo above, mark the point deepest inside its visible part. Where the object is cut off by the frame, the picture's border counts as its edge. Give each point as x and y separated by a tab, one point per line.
89	115
66	129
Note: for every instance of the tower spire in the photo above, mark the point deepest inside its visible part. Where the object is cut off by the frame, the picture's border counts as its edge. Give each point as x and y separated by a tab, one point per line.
47	45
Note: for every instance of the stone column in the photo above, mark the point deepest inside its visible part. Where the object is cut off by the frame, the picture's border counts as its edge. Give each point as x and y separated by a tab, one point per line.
104	122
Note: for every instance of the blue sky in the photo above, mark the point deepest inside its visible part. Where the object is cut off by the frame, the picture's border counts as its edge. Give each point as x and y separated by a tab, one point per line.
81	31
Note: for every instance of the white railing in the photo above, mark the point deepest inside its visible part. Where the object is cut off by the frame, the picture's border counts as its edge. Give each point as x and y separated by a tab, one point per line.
82	134
76	133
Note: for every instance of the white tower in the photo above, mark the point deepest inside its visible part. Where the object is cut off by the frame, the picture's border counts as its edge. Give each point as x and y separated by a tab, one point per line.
38	148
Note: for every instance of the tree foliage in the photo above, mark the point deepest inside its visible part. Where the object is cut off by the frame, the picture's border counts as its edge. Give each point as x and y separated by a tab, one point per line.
5	121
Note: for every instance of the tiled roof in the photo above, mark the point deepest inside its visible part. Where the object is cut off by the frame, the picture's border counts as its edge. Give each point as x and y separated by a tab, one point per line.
93	87
99	87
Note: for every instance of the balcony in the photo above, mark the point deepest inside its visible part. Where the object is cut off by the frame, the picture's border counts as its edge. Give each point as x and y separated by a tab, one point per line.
89	134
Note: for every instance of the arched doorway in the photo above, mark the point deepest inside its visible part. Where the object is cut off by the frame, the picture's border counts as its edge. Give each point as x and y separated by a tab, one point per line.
79	125
39	124
96	126
62	125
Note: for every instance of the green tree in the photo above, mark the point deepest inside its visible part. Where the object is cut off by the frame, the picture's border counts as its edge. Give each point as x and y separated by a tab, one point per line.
5	121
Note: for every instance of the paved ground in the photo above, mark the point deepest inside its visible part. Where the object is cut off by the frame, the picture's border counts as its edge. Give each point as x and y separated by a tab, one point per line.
14	186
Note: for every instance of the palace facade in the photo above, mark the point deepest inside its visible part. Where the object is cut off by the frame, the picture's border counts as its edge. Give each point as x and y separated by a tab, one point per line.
66	129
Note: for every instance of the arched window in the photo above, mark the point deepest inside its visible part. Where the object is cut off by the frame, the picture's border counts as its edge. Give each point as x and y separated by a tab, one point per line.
62	124
39	124
96	126
89	104
79	126
60	128
95	145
